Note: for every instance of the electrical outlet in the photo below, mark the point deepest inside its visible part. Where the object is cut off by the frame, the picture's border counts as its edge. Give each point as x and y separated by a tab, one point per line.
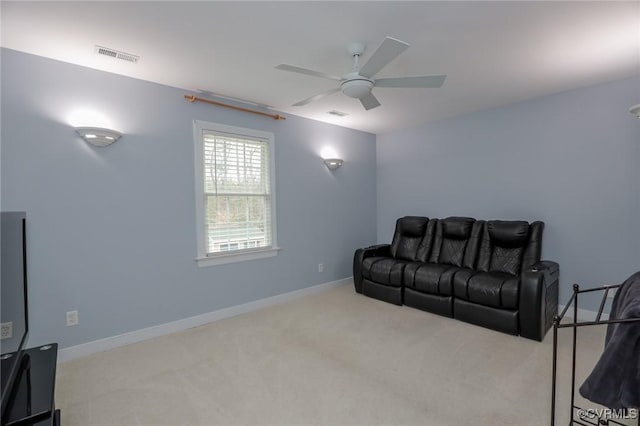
320	267
6	330
72	318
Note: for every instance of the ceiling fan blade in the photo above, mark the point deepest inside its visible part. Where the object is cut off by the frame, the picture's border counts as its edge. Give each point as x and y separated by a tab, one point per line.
369	102
416	82
316	97
299	70
387	52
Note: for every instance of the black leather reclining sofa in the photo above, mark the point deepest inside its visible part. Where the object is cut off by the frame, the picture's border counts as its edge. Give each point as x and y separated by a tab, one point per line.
488	273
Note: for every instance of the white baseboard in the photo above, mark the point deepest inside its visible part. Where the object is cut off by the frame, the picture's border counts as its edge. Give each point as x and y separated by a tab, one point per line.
583	314
107	343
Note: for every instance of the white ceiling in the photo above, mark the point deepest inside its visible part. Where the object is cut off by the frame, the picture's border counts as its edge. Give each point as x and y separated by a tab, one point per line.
494	53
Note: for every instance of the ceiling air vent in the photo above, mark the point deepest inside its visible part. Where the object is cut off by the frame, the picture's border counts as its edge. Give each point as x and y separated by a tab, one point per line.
337	113
117	54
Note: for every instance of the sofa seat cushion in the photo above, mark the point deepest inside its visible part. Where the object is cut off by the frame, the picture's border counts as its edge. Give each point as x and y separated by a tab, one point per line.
384	270
430	278
495	289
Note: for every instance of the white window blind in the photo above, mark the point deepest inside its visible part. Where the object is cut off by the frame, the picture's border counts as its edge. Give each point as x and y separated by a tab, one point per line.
237	192
234	185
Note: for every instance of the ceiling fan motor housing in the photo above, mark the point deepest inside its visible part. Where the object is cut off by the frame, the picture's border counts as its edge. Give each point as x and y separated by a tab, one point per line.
356	86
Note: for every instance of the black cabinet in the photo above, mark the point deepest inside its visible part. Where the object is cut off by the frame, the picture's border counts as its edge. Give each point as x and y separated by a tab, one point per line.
32	402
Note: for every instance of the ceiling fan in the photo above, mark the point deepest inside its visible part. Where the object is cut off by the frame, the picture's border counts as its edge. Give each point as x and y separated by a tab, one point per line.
359	82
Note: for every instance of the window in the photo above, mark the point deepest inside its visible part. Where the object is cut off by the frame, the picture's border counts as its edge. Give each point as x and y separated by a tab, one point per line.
235	197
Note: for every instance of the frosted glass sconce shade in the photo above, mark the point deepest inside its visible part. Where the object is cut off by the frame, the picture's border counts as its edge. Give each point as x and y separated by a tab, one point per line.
333	163
98	136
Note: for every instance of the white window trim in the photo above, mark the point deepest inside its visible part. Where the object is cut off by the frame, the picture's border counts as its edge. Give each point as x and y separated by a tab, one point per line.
241	255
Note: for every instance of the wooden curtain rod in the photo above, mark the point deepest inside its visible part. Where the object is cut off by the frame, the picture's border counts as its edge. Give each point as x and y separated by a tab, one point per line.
192	98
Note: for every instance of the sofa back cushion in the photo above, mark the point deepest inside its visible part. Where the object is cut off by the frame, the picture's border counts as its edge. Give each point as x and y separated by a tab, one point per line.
503	246
426	245
451	239
406	240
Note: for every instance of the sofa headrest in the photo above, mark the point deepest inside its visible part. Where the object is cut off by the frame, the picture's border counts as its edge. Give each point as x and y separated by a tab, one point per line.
457	227
412	226
508	233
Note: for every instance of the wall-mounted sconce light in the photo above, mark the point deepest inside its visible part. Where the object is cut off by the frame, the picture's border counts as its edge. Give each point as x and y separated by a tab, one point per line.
635	110
98	136
333	163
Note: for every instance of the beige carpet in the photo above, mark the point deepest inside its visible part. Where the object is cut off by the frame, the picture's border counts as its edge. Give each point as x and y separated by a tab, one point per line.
334	358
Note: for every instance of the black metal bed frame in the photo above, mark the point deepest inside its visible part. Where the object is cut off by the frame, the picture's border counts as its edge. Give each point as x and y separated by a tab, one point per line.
600	420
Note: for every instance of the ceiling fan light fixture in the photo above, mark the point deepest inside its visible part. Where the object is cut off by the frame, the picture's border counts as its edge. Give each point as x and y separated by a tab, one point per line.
357	88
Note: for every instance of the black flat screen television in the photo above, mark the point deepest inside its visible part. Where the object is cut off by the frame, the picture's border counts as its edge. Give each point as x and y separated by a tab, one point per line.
13	302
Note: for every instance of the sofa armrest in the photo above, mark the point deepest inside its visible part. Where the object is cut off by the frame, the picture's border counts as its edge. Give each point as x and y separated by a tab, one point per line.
360	255
538	302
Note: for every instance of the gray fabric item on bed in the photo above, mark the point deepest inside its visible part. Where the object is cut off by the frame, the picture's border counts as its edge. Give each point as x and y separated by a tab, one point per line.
615	380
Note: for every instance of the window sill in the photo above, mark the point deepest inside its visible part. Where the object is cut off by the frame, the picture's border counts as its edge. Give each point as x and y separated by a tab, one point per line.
221	259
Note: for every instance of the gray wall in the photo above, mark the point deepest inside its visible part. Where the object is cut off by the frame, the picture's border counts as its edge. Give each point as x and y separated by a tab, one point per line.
569	159
111	231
